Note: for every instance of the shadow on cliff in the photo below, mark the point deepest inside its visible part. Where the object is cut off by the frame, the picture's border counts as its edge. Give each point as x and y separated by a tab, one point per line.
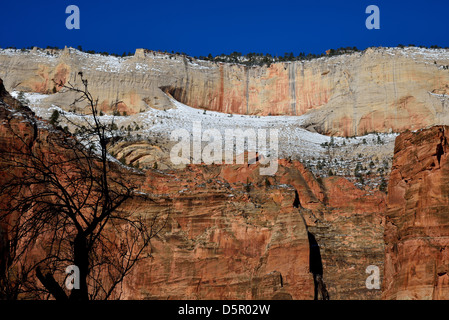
315	262
316	268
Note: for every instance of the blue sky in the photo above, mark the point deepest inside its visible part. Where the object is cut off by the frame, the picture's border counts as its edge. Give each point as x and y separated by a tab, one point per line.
203	27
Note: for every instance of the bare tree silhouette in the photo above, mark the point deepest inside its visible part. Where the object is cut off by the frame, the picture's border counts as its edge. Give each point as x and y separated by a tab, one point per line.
64	205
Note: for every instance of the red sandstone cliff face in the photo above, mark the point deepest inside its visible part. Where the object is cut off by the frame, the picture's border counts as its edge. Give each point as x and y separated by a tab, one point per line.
218	243
380	89
27	147
226	239
417	224
233	234
349	232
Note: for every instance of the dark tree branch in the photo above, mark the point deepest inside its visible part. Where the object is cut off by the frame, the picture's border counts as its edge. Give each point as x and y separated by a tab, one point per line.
68	198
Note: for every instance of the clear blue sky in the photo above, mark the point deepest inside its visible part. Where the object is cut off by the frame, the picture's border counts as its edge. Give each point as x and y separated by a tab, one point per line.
202	27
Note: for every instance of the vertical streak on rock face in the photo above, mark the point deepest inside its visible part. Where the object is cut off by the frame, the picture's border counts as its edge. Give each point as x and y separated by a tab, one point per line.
186	87
353	99
378	89
247	89
395	92
301	101
292	86
221	88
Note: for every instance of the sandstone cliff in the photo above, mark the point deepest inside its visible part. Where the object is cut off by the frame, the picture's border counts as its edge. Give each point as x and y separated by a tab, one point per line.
416	234
379	90
224	241
230	248
236	235
233	234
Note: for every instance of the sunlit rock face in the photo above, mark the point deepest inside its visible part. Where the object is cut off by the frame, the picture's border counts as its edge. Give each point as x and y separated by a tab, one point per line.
379	89
235	234
223	240
417	225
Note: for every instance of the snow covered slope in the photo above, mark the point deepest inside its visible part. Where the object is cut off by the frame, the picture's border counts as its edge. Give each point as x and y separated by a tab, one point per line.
321	153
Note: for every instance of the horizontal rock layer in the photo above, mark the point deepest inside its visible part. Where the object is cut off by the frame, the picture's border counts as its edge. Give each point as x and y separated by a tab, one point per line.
234	234
375	90
220	242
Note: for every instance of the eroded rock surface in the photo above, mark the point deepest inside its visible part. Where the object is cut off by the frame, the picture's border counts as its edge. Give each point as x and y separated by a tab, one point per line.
380	89
417	224
236	234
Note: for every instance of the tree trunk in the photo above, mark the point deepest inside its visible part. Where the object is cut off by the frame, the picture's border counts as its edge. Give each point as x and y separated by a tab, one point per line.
81	260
